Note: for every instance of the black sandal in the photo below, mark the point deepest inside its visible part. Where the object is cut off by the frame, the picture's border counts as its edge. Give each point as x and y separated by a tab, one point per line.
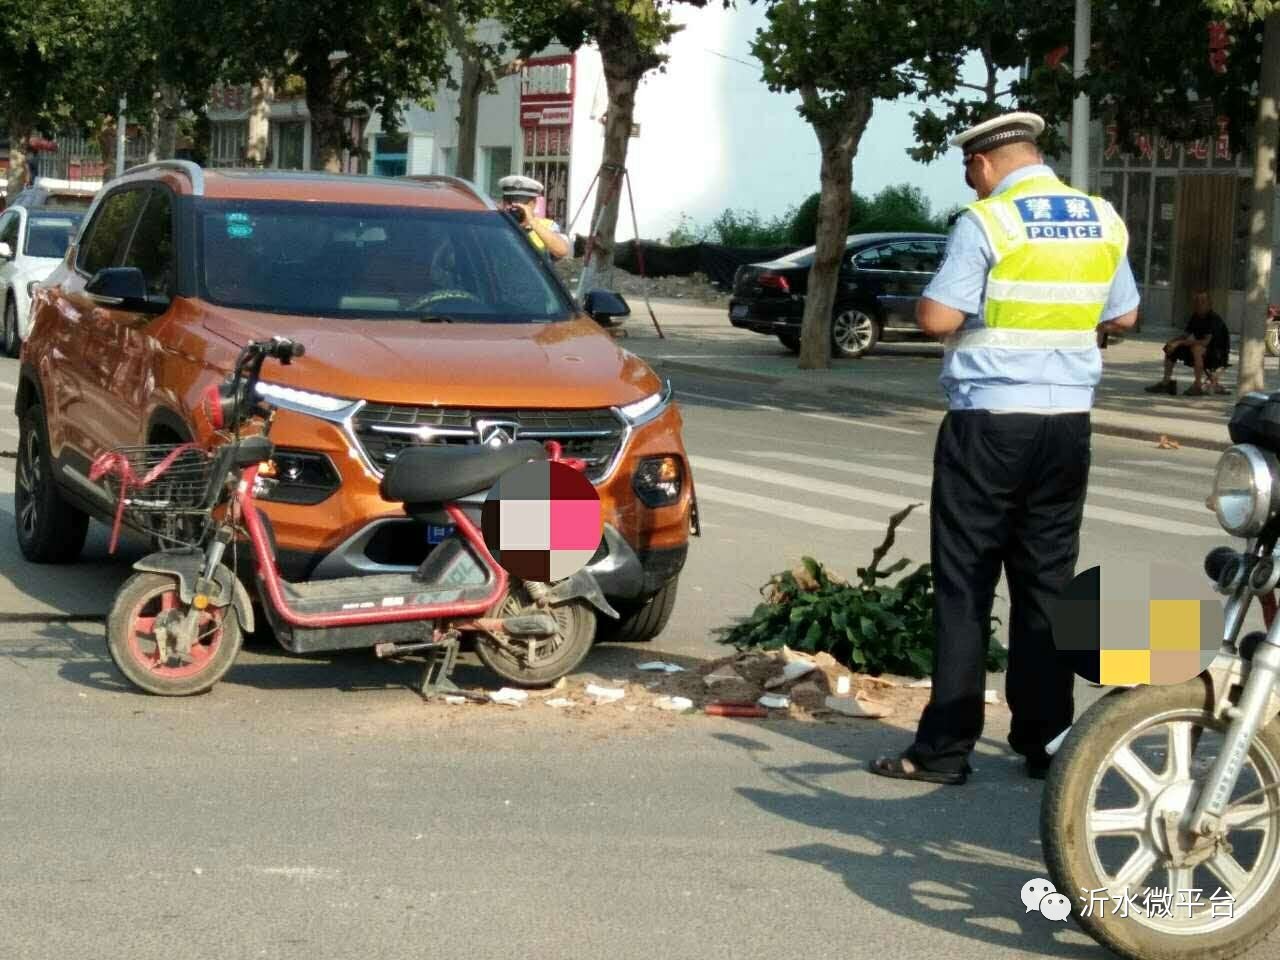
904	767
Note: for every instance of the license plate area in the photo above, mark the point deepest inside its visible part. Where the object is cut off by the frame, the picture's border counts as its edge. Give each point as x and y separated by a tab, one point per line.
438	533
739	310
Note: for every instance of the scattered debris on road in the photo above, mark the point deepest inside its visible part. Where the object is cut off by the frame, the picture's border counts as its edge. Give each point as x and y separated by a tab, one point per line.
1168	443
660	666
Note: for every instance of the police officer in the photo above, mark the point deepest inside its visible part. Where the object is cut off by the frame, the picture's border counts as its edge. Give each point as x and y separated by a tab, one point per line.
1034	271
519	198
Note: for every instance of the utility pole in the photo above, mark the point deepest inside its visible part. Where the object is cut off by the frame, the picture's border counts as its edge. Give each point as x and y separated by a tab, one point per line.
1080	109
120	138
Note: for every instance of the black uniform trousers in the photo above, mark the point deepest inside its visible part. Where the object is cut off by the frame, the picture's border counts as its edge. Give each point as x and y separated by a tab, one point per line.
1008	491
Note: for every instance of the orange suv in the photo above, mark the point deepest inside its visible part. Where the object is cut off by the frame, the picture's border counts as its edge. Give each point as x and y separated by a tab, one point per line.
427	319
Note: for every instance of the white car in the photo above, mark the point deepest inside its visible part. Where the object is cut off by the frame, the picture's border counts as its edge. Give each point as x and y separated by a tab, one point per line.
33	242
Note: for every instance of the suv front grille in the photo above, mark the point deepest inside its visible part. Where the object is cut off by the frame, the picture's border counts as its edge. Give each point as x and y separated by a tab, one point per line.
385	429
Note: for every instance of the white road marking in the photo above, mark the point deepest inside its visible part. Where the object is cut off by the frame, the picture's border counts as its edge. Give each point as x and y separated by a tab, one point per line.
828	519
1091	511
916	479
735	403
862	424
1175	467
796	481
848	421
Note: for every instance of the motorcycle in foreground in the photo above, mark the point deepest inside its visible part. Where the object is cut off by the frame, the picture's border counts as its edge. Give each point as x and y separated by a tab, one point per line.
1161	812
1272	336
176	625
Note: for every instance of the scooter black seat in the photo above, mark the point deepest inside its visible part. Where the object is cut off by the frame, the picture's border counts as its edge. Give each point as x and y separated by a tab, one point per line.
420	475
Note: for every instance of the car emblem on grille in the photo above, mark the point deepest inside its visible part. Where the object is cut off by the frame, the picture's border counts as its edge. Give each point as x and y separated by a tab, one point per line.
496	433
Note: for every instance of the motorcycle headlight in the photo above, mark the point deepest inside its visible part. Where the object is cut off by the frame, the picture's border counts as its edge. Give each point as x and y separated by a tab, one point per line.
1244	490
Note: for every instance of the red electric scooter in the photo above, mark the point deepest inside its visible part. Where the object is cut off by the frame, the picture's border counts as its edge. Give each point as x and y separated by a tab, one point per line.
176	625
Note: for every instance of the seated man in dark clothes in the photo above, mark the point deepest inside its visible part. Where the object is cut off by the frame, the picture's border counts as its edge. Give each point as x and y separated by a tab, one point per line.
1204	346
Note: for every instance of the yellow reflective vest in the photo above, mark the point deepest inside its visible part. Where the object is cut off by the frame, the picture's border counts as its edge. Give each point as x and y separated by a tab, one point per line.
1055	251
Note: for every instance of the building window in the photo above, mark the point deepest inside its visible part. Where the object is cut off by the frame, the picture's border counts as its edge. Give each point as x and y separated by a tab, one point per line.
391	155
497	164
289	138
227	143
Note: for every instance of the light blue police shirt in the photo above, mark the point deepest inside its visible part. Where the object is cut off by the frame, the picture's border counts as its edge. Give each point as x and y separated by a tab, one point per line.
1008	379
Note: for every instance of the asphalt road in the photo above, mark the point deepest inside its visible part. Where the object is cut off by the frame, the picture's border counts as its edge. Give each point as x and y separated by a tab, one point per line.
302	809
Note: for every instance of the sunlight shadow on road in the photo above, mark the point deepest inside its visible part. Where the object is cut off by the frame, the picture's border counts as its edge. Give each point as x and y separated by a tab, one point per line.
951	858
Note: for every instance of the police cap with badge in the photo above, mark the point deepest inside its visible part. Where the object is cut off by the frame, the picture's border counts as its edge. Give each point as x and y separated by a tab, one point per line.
520	189
1020	127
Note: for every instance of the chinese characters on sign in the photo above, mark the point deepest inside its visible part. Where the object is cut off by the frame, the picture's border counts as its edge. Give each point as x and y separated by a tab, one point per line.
1146	147
1158	902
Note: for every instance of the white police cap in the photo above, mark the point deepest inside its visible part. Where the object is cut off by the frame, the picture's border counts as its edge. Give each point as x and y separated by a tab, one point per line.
523	188
1018	127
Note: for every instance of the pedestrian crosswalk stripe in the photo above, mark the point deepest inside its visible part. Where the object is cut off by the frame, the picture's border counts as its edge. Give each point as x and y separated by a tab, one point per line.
847	420
1176	467
798	482
828	519
923	480
795	481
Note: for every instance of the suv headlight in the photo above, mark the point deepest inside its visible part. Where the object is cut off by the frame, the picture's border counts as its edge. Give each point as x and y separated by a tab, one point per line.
657	481
1244	490
650	408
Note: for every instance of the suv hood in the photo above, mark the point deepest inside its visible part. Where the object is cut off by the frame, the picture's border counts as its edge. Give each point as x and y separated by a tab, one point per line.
568	364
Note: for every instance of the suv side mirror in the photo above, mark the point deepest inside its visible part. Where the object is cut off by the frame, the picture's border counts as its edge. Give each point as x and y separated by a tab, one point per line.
604	305
125	288
6	251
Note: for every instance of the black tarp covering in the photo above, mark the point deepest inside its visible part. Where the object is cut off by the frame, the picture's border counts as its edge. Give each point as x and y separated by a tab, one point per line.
717	262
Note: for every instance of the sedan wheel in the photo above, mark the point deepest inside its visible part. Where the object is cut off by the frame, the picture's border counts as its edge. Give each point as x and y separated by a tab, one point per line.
854	334
11	342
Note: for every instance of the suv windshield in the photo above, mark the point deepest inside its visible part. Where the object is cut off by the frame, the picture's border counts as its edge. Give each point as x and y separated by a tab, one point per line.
49	232
371	261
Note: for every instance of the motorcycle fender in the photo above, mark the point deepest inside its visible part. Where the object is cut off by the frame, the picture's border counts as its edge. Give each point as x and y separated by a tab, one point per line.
581	586
185	567
1226	675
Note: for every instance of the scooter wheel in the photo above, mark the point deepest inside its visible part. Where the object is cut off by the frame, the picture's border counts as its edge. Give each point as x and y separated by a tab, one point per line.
142	606
1133	757
557	656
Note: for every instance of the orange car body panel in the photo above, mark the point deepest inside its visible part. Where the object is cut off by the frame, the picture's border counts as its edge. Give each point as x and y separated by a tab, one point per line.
104	381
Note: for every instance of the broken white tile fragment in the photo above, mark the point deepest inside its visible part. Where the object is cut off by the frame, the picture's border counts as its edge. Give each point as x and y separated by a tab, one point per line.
853	707
674	704
660	666
509	696
774	701
605	694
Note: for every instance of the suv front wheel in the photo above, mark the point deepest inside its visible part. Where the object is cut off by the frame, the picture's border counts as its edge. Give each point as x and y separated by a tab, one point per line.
50	530
640	622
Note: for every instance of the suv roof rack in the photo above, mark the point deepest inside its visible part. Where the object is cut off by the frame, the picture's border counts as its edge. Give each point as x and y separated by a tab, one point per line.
192	170
446	180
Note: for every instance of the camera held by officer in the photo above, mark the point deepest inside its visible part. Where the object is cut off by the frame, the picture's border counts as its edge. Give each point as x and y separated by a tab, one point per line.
519	201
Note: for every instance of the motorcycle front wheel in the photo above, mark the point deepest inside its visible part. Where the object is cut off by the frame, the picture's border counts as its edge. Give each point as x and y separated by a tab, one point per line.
545	660
1134	756
145	609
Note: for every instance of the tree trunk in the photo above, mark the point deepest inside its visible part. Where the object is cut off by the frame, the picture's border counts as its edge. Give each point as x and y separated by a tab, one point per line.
468	118
621	84
838	140
1262	215
19	135
327	108
167	136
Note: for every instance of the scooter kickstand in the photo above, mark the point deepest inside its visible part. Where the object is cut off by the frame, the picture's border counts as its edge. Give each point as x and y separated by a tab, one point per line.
437	676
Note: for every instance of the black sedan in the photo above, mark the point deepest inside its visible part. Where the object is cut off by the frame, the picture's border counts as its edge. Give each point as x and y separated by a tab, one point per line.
881	278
